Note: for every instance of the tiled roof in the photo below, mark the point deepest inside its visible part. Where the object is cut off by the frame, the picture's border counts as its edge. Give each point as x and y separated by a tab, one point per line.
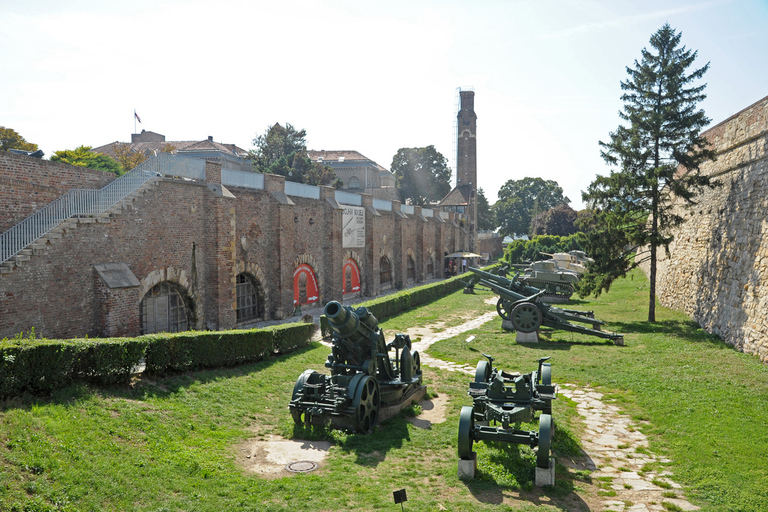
190	145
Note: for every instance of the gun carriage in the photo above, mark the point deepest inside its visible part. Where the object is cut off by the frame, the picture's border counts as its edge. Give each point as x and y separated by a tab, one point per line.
506	400
521	305
363	378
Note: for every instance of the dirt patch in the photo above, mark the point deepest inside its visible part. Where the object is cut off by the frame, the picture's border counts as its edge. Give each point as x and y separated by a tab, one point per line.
268	457
432	412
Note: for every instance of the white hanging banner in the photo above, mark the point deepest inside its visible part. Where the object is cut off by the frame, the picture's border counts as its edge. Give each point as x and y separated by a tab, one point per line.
353	230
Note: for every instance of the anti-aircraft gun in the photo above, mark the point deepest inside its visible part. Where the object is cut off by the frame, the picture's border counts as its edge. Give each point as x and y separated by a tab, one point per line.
522	306
506	400
363	378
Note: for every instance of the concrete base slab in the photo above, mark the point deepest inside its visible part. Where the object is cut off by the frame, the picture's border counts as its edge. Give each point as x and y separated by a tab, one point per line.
468	468
546	476
527	337
619	341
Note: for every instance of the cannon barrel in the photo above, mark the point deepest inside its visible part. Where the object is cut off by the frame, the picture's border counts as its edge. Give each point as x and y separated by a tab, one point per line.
345	321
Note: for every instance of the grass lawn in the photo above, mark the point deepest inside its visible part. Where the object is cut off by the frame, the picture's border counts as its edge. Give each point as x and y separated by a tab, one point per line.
170	443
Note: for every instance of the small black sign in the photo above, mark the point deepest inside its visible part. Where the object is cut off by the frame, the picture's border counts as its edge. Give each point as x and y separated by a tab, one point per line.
400	496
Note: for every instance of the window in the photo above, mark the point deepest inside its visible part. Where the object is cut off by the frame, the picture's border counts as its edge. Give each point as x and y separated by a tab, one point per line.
430	268
411	274
354	182
249	299
163	310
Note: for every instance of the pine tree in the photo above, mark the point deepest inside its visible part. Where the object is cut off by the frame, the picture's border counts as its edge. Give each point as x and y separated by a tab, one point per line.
658	153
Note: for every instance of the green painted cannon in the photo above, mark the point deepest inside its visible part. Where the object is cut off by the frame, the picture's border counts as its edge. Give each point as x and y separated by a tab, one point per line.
506	400
363	377
521	306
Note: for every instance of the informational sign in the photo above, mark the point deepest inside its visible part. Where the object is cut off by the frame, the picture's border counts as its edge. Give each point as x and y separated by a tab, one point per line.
353	230
304	286
351	277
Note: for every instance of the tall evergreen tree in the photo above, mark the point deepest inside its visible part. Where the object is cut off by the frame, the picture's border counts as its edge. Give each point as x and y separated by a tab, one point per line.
656	157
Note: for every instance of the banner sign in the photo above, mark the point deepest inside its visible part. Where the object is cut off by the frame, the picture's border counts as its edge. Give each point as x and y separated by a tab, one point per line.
353	230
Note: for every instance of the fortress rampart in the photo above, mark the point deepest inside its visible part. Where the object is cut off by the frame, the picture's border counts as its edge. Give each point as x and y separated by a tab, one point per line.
717	271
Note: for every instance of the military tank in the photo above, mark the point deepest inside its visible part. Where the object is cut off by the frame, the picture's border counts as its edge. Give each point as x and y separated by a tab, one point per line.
558	284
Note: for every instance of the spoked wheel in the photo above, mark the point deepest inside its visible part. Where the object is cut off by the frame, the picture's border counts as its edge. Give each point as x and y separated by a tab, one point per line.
503	308
526	317
466	426
545	439
483	371
416	362
366	404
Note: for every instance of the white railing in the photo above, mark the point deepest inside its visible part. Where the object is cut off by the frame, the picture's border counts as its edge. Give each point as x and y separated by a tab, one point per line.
349	198
301	190
243	179
382	204
88	202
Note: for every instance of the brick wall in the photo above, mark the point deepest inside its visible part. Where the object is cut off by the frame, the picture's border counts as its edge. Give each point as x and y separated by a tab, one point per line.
199	236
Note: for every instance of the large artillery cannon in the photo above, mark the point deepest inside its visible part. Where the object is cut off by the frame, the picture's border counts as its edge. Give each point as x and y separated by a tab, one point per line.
508	399
363	377
521	306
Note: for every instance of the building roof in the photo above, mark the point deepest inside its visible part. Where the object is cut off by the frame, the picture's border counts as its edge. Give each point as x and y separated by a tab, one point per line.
342	157
459	196
183	146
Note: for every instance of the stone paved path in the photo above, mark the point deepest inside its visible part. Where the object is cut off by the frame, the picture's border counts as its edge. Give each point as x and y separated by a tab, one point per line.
610	440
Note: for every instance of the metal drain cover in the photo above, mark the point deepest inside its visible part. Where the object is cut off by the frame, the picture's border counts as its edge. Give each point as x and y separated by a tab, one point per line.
301	466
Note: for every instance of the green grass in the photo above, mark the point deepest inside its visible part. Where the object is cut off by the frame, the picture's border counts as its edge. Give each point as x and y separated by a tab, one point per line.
170	444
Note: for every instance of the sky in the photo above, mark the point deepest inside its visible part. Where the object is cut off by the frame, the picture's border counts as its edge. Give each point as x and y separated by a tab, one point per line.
362	75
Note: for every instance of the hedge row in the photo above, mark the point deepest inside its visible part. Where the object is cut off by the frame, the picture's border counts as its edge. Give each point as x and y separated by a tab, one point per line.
40	366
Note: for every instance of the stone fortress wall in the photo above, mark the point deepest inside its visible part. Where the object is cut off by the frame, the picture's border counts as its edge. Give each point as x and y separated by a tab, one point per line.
199	236
717	271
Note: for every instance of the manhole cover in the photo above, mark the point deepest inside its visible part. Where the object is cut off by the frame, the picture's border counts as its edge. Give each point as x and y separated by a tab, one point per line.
302	466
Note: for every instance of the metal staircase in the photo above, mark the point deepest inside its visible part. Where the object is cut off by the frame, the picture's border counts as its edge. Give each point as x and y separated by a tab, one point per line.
16	244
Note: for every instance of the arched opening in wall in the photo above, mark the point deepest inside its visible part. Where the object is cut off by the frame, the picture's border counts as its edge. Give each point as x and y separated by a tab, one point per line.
385	273
430	267
351	272
354	182
165	308
305	289
411	270
250	298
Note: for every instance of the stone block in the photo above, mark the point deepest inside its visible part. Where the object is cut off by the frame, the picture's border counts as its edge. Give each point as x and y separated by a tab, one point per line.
546	476
527	337
468	468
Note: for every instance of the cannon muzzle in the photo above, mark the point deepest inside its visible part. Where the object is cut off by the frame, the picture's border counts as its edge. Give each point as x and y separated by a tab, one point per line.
346	321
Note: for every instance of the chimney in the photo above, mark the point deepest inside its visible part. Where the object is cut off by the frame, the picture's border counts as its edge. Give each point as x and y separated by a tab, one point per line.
210	138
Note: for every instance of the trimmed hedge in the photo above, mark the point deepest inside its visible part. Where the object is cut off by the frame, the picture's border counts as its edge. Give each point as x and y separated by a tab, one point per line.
40	366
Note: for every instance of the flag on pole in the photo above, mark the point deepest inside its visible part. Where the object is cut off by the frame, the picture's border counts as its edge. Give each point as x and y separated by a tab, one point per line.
137	116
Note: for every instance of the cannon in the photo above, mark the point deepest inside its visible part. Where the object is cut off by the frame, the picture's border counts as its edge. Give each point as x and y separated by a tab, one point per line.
521	305
506	400
363	378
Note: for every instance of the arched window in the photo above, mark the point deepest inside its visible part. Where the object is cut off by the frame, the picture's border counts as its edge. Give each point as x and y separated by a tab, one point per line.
163	309
354	182
385	273
250	299
411	270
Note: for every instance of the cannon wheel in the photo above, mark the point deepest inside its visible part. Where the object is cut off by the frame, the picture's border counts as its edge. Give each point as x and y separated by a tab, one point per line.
297	413
546	374
366	404
503	307
526	317
545	438
483	371
466	426
416	362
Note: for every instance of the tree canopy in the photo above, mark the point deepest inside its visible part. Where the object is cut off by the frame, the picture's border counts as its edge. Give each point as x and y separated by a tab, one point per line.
10	139
559	221
486	220
83	157
422	175
655	157
521	200
283	150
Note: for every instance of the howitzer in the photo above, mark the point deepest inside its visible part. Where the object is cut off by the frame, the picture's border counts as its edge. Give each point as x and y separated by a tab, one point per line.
508	399
363	377
527	312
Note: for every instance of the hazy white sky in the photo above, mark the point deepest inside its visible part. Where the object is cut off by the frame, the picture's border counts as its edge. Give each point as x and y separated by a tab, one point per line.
362	75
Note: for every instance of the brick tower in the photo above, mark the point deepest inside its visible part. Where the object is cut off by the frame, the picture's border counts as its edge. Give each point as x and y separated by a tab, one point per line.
466	160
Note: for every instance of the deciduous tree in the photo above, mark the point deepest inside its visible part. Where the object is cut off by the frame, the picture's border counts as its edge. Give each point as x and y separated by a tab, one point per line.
422	175
10	139
486	220
555	221
521	200
655	157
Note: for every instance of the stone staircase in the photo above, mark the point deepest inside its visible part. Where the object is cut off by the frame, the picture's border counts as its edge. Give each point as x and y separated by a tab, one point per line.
45	242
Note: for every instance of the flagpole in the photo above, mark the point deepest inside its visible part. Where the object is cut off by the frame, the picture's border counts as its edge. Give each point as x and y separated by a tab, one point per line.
134	120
